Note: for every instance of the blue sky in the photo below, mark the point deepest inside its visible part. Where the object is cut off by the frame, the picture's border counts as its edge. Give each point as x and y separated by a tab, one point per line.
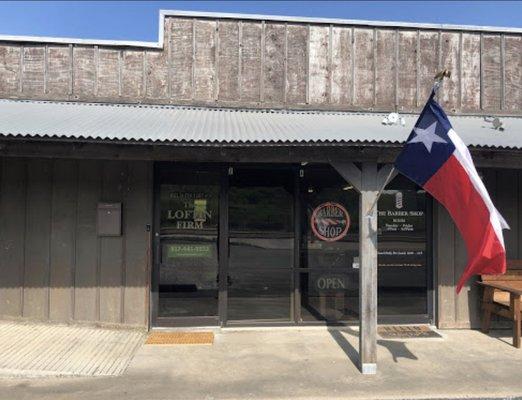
138	20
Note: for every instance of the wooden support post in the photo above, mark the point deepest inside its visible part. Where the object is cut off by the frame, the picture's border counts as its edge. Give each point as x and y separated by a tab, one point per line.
487	303
368	182
368	269
514	301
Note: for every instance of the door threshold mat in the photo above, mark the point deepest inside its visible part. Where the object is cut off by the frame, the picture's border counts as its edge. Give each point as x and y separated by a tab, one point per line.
180	338
407	332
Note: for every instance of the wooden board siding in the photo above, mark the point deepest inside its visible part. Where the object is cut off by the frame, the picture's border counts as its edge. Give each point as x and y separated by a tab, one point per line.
181	58
156	80
10	69
112	260
13	186
108	73
53	265
463	310
274	65
385	69
228	61
267	64
450	58
250	78
132	74
491	72
86	292
470	72
513	73
428	64
59	77
296	64
407	73
37	239
363	74
63	239
84	72
33	71
318	82
205	37
341	66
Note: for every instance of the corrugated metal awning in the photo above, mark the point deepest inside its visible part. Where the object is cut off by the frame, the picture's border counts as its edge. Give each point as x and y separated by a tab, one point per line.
190	125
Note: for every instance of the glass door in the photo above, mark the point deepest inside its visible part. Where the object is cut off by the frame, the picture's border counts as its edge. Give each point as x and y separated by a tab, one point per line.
187	247
329	265
261	244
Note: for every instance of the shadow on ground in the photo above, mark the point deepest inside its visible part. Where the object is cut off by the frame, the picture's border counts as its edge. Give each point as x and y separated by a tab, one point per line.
396	348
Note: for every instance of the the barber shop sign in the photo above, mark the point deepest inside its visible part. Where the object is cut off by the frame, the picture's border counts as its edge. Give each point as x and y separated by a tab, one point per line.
330	221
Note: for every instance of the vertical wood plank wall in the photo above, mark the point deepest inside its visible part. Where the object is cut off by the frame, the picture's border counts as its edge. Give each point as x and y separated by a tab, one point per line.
53	266
463	310
269	64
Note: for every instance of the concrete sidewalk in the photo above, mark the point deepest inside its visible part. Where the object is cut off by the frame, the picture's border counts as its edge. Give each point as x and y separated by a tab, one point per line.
29	349
300	364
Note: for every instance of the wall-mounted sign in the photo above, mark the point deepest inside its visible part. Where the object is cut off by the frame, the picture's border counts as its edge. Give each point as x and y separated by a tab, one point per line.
330	221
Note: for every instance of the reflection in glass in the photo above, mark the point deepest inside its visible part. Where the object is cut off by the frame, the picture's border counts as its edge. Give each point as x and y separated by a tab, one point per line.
261	245
329	296
402	249
189	256
329	291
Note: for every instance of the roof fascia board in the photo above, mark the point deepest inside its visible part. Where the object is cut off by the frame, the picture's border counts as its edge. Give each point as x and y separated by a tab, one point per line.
338	21
99	42
258	17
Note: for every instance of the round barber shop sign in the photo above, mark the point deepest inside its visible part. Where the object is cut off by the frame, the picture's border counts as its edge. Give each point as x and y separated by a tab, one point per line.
330	221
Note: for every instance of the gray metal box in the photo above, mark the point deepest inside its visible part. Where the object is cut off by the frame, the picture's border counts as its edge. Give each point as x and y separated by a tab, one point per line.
109	219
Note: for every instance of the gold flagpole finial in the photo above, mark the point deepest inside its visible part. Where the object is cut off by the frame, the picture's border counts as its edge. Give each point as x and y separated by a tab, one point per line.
442	74
439	78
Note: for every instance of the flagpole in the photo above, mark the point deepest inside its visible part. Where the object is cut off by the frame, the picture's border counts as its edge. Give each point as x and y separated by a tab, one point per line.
379	194
436	85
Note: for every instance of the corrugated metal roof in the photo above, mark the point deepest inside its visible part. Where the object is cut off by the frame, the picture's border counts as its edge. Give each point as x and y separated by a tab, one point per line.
191	125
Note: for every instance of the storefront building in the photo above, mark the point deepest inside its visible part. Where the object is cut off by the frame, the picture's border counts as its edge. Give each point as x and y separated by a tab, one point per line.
223	175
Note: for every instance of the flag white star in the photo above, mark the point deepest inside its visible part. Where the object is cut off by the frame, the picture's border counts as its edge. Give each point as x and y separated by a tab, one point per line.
427	136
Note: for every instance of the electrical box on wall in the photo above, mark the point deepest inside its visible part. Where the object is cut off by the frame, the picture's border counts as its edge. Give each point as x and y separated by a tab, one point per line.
109	219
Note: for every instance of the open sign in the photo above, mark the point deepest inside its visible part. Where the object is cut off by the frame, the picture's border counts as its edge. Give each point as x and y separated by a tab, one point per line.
330	221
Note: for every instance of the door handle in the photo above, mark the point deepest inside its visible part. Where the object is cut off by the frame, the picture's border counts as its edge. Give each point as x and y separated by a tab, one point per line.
229	280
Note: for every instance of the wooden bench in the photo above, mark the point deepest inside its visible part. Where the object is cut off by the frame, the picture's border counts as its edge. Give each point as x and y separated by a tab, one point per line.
502	294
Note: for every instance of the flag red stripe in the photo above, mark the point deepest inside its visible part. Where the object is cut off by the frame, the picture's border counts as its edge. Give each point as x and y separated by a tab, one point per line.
452	187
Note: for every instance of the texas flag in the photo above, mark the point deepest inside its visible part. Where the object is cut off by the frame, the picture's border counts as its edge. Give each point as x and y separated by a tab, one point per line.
437	159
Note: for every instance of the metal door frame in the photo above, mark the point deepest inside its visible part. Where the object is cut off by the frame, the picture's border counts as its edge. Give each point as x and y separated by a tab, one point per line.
221	319
155	320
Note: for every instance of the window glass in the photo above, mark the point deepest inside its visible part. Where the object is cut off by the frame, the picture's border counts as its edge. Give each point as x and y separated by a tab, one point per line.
330	246
261	244
188	270
188	208
402	255
261	200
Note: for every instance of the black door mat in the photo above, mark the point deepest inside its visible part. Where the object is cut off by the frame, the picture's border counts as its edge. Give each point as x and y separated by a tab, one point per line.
407	332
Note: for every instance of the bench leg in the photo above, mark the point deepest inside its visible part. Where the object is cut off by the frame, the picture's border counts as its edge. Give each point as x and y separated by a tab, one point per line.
514	301
486	309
